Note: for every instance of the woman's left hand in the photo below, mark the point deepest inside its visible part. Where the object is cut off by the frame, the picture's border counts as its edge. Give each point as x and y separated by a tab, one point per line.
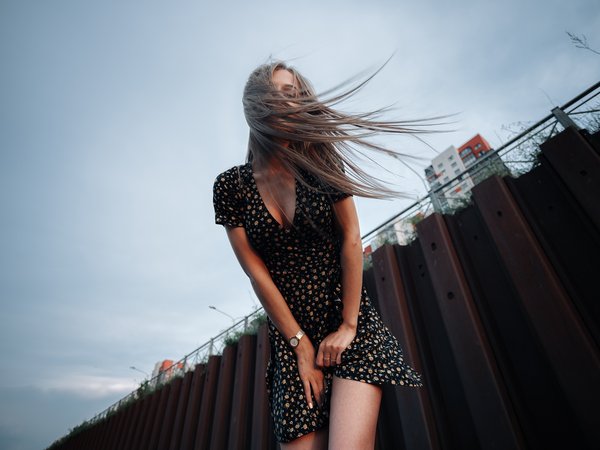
331	348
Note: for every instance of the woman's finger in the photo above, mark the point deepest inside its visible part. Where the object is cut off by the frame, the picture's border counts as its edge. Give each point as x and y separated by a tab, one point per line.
307	393
339	358
317	392
319	359
334	358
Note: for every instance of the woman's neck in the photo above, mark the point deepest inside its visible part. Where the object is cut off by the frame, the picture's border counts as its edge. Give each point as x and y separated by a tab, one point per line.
270	167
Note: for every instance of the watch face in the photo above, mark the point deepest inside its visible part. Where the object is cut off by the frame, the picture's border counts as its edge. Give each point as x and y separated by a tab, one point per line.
294	341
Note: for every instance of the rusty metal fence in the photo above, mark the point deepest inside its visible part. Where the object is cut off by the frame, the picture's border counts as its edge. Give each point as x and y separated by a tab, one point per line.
497	305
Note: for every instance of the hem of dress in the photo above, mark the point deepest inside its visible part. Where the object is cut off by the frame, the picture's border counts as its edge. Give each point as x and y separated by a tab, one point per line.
302	433
381	382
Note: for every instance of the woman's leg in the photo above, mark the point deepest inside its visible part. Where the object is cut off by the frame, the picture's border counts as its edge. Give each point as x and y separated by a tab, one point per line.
353	414
317	440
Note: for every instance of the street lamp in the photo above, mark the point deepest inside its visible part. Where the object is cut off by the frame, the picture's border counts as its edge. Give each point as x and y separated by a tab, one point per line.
135	368
222	312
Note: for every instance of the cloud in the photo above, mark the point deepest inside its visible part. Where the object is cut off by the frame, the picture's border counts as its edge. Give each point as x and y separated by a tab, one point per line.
88	386
33	418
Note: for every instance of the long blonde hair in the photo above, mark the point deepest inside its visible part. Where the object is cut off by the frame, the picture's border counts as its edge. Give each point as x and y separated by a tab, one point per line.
321	140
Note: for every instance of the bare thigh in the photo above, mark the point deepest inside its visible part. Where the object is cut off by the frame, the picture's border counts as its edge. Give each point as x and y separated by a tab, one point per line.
353	414
317	440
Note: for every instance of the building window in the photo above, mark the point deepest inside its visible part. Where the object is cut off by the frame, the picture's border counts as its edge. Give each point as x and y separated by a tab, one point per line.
465	152
446	179
478	146
469	159
454	164
457	171
440	165
450	158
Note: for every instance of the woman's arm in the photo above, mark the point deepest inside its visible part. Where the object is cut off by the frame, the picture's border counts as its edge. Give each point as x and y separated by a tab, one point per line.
277	310
351	260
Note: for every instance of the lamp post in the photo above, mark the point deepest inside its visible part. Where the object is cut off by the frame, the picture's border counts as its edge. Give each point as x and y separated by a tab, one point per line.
222	312
139	370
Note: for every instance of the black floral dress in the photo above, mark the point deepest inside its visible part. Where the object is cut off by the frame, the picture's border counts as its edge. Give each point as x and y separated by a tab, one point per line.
304	262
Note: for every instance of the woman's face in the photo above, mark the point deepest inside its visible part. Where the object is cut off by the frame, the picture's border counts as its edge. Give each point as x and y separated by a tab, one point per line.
284	81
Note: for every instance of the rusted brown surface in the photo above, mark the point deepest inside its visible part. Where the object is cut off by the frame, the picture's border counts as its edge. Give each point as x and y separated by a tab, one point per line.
195	402
182	403
243	390
483	387
578	166
139	429
222	413
398	316
158	422
123	427
203	423
261	416
149	422
567	236
557	324
137	413
166	428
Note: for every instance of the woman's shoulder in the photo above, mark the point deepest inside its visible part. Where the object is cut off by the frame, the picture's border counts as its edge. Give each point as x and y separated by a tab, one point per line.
230	175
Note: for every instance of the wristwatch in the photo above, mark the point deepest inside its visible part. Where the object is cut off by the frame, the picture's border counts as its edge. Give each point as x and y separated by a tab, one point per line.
295	340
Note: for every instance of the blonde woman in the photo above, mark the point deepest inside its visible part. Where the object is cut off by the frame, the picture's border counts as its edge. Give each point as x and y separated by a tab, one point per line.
290	217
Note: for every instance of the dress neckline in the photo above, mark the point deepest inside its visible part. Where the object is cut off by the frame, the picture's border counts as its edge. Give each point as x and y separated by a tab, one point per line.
296	190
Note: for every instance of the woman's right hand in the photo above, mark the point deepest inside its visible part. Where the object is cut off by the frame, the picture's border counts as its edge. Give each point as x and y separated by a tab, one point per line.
312	377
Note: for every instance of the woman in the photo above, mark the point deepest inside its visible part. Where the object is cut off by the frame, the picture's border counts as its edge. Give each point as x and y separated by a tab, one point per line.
291	220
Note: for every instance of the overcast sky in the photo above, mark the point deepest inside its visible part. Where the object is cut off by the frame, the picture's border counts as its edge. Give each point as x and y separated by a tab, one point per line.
116	116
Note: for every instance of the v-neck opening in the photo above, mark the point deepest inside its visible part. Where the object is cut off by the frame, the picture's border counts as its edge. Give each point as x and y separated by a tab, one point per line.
292	222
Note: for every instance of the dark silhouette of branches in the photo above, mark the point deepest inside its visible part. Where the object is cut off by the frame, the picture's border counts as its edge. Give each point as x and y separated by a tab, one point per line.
581	42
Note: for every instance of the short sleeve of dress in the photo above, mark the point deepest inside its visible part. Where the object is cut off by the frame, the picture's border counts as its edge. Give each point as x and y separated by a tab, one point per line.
335	195
227	199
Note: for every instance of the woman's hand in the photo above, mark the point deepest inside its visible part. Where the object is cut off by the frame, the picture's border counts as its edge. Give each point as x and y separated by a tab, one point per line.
331	348
312	377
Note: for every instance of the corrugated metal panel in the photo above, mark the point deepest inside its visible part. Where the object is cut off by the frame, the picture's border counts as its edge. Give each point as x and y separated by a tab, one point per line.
137	412
412	408
159	422
204	420
558	326
478	373
195	401
261	417
149	422
576	163
222	416
171	410
243	390
181	410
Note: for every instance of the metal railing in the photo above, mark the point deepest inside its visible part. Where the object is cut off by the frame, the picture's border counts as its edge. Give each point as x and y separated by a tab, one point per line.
518	155
247	325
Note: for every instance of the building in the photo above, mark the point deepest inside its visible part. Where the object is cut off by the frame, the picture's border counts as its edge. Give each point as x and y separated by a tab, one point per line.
472	151
164	371
453	173
445	180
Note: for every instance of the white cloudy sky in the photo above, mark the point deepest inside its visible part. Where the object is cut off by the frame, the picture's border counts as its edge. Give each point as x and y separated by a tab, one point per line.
116	117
